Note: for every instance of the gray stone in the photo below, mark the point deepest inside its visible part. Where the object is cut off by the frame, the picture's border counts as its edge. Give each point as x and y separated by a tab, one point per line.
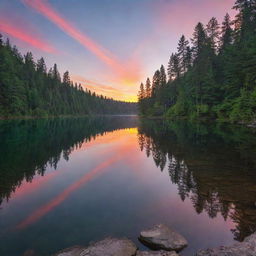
72	251
246	248
156	253
162	237
106	247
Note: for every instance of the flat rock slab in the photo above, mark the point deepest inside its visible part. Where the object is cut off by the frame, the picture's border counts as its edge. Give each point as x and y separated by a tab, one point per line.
246	248
156	253
162	237
106	247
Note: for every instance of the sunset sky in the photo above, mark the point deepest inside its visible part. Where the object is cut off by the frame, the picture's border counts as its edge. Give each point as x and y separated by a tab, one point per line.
109	46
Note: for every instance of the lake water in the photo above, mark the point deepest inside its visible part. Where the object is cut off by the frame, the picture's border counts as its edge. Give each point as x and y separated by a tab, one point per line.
65	182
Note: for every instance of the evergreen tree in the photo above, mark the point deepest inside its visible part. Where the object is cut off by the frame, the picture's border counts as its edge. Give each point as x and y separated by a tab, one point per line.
226	33
156	83
66	78
170	68
188	58
40	66
148	88
141	92
182	54
162	77
55	73
199	41
213	33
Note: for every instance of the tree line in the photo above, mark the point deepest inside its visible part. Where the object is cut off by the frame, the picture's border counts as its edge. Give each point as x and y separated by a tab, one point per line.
213	75
27	88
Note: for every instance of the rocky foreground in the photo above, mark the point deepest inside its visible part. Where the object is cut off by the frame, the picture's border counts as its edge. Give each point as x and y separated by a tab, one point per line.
166	241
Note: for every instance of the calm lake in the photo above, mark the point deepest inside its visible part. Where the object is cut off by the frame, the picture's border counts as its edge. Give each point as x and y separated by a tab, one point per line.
72	181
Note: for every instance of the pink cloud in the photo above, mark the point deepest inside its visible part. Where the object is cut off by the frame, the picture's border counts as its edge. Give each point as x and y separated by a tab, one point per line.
25	36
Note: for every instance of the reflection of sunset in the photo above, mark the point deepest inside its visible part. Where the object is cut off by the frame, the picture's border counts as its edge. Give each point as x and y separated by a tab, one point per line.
122	142
38	182
36	215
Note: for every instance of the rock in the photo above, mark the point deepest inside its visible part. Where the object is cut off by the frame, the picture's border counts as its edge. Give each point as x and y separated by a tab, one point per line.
156	253
106	247
162	237
246	248
72	251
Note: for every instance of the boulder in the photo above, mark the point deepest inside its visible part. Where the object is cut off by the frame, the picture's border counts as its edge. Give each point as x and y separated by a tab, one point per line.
246	248
156	253
106	247
162	237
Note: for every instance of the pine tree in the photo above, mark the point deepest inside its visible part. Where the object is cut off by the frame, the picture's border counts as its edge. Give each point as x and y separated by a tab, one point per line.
170	68
55	73
40	66
29	61
182	53
199	41
148	88
141	92
213	33
176	66
226	33
162	77
173	67
66	79
188	58
155	83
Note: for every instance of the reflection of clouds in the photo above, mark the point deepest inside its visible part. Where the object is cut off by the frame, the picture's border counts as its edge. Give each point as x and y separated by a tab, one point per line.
29	187
125	143
43	210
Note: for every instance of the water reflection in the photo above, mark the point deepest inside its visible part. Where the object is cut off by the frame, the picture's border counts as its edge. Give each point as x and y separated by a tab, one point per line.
213	165
28	146
72	181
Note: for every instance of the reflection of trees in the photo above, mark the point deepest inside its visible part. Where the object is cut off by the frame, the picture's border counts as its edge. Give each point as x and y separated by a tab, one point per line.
213	166
28	147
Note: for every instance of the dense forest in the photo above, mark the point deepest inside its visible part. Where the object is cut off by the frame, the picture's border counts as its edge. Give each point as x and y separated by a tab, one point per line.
212	76
28	89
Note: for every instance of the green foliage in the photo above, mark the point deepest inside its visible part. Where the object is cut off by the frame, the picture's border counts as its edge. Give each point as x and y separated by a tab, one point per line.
219	80
244	107
26	89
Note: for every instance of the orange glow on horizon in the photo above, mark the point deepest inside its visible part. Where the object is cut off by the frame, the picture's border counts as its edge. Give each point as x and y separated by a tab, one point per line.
23	35
106	90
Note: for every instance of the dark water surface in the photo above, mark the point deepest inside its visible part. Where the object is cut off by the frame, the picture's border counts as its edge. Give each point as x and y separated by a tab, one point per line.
72	181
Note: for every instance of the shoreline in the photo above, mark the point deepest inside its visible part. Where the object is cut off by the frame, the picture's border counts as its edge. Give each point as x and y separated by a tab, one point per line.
59	116
161	241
